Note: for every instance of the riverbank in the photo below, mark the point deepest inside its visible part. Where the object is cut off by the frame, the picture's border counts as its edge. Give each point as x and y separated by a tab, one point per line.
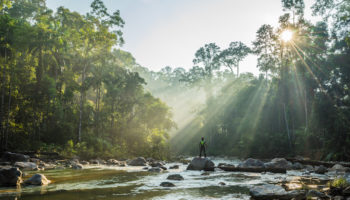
148	179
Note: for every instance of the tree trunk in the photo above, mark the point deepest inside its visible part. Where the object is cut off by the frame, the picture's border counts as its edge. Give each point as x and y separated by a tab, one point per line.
81	102
237	70
286	121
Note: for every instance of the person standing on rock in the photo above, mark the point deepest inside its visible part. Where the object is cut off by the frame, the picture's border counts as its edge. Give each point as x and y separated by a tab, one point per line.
202	145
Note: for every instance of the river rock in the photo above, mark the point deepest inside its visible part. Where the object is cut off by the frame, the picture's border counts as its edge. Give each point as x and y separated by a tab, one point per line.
251	163
201	164
156	164
297	166
279	163
37	179
155	169
339	168
112	162
222	183
174	167
140	161
321	169
77	166
316	194
14	157
167	184
346	191
95	162
84	162
10	177
269	191
176	177
26	165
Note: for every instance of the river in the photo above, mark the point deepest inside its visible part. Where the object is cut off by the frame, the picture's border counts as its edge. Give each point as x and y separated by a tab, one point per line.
100	182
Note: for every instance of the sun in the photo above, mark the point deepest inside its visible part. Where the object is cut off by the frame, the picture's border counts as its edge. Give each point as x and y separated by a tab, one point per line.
286	35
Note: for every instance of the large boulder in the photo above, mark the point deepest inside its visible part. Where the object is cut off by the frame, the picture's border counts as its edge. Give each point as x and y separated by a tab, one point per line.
279	163
37	179
176	177
339	168
14	157
26	165
10	177
201	164
140	161
251	163
269	191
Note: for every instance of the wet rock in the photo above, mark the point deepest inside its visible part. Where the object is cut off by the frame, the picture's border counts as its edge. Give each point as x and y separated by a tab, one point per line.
156	164
37	179
95	162
346	191
201	164
163	168
10	177
167	184
297	166
140	161
155	169
279	163
174	167
112	162
26	165
84	162
176	177
250	162
77	166
317	194
145	168
269	191
222	183
205	174
309	168
59	168
321	169
338	198
14	157
339	168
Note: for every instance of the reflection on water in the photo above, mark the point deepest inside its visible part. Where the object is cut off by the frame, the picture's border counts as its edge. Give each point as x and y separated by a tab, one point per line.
106	182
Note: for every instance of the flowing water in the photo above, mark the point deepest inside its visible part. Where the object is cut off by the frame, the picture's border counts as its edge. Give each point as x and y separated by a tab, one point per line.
106	183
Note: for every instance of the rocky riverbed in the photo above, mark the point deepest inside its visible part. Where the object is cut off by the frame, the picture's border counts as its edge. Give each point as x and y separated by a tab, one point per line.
150	179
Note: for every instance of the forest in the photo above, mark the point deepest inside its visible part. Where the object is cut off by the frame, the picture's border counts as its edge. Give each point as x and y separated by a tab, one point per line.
67	87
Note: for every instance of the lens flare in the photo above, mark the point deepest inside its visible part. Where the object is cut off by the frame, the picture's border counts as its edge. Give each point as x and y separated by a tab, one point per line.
286	35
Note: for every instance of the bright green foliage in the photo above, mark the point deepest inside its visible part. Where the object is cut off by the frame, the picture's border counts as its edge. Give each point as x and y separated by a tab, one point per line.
63	87
339	183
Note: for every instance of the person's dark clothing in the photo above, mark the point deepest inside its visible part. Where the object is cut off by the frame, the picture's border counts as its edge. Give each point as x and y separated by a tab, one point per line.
202	149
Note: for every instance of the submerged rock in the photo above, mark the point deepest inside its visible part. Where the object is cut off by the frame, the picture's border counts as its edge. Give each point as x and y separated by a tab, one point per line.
279	163
174	167
269	191
201	164
26	165
167	184
10	177
37	179
251	162
222	183
140	161
177	177
14	157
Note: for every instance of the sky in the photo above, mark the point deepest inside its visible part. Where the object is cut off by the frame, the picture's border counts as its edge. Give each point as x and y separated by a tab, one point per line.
161	33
